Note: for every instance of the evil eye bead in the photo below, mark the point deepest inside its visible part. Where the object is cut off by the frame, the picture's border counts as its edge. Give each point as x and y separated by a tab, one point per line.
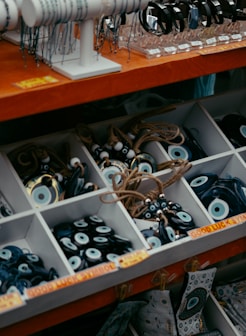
5	211
81	225
162	201
121	244
179	152
100	243
113	257
74	162
44	190
187	221
94	220
24	269
145	163
170	233
109	171
68	247
5	254
63	230
16	252
81	239
202	182
77	263
184	216
104	231
174	206
154	242
99	153
242	130
166	234
218	209
34	259
93	256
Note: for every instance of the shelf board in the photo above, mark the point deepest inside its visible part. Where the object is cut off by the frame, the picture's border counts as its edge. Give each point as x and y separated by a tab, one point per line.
138	73
109	296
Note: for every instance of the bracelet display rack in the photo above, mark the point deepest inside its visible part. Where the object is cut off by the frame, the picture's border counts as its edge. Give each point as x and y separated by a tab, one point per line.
38	13
8	15
13	35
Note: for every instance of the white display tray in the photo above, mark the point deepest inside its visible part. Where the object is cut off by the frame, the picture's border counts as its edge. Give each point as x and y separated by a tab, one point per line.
31	227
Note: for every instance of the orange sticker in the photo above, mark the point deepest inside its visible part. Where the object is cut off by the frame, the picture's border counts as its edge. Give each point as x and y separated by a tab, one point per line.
34	82
202	231
132	258
10	301
71	280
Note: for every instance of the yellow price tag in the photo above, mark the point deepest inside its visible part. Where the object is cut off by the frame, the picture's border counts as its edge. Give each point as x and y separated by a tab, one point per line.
10	301
34	82
132	258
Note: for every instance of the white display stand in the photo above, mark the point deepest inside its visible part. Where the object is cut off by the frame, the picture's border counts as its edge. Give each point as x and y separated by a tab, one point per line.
90	62
14	36
8	15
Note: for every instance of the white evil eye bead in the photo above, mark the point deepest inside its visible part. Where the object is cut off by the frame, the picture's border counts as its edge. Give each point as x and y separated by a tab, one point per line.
131	136
59	177
130	154
112	257
154	242
94	147
178	152
81	225
104	231
92	254
76	263
67	245
118	146
74	161
94	220
104	155
218	209
81	239
46	159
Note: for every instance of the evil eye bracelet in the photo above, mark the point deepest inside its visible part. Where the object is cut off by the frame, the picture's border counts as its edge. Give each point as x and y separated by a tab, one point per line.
163	21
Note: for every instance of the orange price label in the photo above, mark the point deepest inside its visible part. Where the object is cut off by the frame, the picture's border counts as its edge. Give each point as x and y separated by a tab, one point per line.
10	301
202	231
71	280
34	82
132	258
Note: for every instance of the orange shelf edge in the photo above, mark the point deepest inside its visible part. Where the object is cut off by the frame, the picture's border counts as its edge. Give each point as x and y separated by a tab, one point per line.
109	296
138	73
